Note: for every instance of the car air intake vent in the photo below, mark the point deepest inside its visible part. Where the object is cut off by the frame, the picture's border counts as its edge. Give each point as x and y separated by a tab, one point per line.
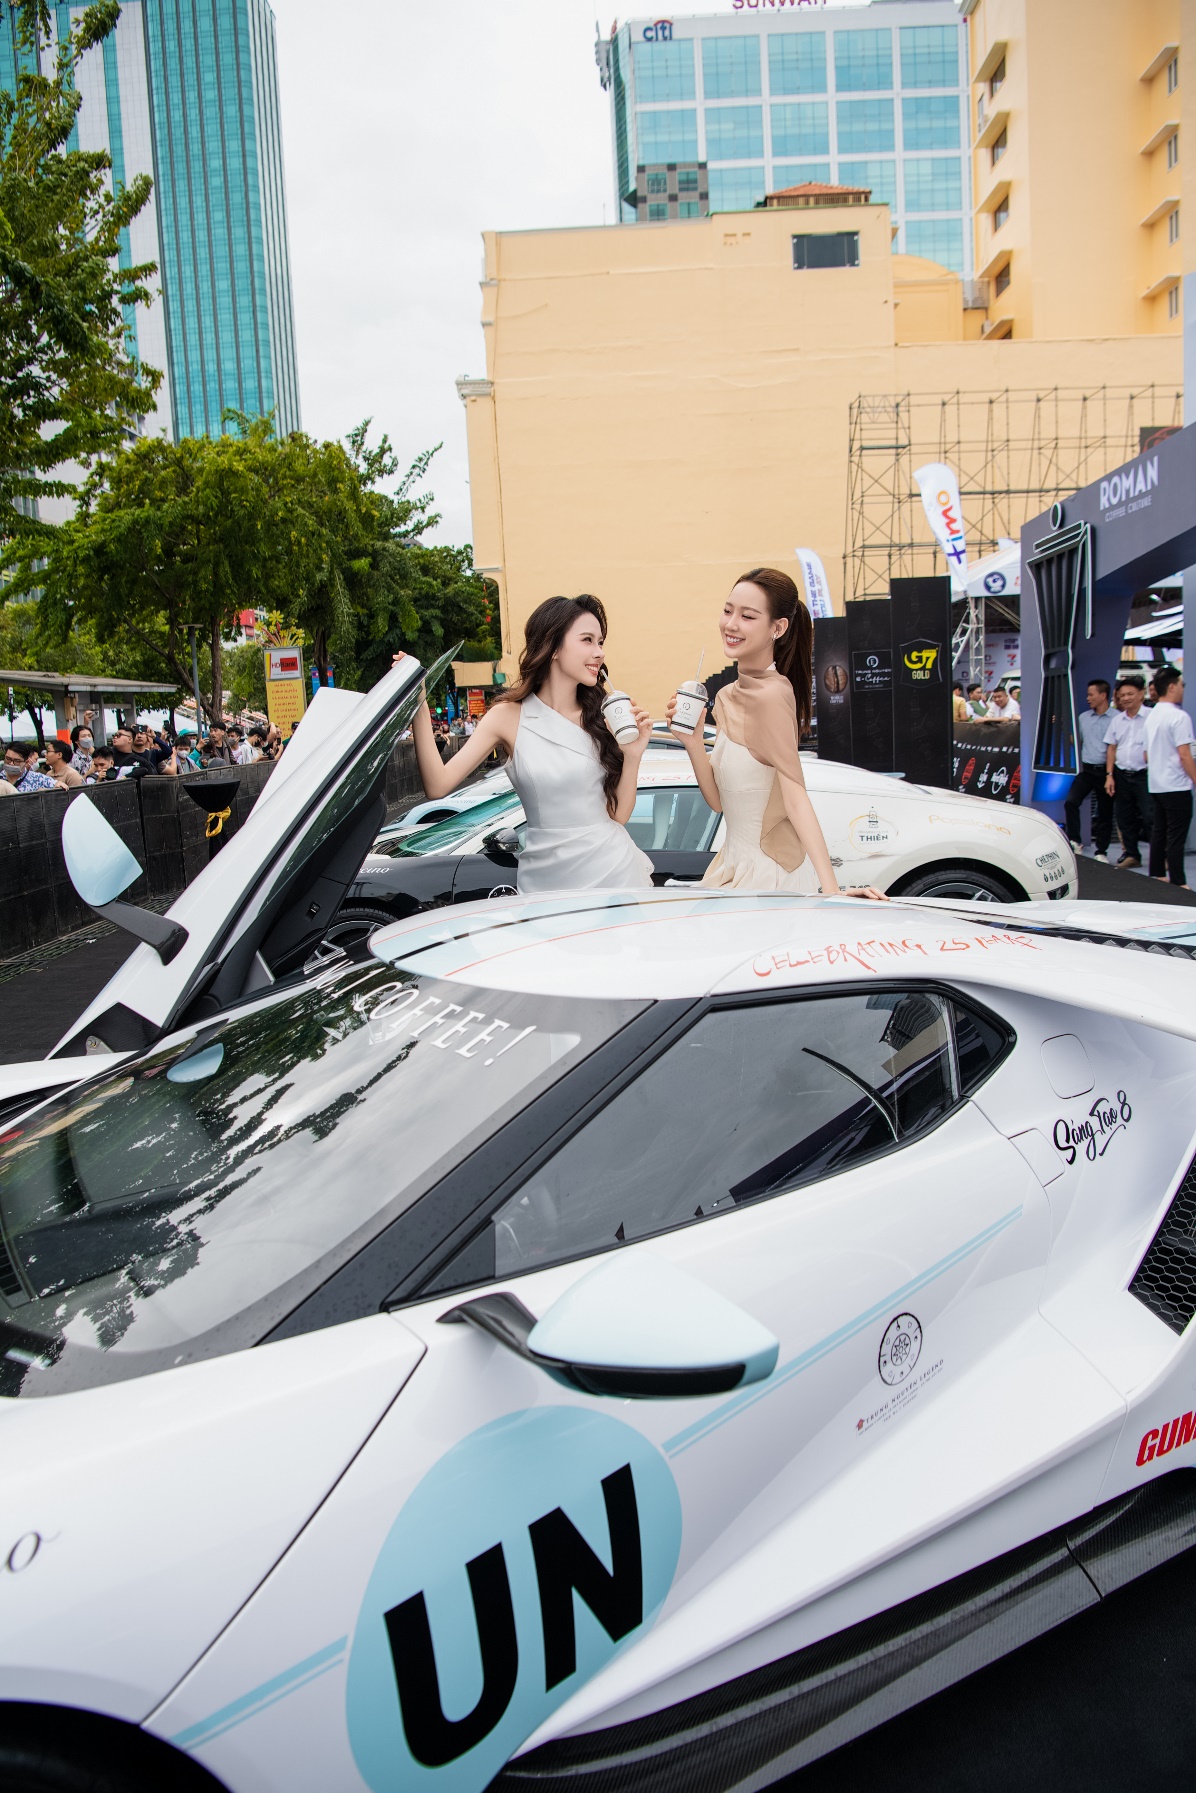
1165	1280
10	1282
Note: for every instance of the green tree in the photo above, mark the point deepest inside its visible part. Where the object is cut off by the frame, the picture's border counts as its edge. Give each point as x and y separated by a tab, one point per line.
245	676
414	597
70	389
170	535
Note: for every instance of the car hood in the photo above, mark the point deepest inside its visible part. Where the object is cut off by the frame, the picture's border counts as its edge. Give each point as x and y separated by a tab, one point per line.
336	761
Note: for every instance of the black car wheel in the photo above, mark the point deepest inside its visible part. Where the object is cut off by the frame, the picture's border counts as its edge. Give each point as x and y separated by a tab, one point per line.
45	1749
347	934
960	883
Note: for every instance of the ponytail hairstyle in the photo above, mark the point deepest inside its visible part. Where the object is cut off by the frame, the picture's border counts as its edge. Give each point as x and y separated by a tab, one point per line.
546	628
794	654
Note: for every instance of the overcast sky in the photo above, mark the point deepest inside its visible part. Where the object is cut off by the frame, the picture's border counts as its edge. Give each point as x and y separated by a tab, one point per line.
409	127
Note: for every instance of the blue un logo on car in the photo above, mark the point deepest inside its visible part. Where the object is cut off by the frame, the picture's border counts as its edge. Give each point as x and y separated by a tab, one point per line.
528	1555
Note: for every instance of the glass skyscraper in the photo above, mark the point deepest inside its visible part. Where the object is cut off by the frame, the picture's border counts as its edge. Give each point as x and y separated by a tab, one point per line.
187	91
865	96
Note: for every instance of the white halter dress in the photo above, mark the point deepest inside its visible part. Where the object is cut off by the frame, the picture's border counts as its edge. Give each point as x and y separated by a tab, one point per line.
572	843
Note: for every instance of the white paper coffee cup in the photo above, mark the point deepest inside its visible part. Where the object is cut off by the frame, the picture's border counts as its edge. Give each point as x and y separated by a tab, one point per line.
690	707
620	718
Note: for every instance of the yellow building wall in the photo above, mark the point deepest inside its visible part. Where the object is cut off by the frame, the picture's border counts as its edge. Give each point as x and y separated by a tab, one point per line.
1087	239
667	406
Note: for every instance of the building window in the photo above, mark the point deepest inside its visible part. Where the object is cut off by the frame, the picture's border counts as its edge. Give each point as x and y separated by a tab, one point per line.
1000	145
998	80
865	127
658	213
930	56
664	71
938	239
828	249
1173	149
658	183
1173	302
1173	74
667	136
736	189
863	61
689	208
1173	227
733	133
1001	215
797	62
879	177
795	174
687	180
931	123
730	67
1004	276
933	184
802	130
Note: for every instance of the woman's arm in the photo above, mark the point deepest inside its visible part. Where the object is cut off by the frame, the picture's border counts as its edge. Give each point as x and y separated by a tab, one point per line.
699	759
438	776
800	811
633	753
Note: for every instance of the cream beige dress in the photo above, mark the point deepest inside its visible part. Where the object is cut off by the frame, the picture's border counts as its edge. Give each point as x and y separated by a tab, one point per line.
757	738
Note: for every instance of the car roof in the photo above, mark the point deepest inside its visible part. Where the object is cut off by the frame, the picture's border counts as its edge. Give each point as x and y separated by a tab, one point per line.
688	944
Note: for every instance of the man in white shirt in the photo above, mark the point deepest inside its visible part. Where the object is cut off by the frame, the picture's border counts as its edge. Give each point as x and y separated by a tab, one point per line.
1171	773
1003	708
1125	769
1090	779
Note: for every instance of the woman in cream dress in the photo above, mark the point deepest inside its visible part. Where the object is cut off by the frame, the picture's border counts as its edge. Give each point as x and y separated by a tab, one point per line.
576	783
753	773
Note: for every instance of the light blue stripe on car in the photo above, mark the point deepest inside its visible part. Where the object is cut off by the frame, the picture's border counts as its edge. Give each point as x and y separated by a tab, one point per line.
702	1428
250	1704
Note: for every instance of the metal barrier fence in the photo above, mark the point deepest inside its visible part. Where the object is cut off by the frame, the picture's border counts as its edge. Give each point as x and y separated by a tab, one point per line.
155	818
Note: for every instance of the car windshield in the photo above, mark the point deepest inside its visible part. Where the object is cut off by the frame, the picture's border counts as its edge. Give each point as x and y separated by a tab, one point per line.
448	836
183	1206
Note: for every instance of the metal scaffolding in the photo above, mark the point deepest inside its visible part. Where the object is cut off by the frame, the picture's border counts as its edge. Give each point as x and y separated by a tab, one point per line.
1015	453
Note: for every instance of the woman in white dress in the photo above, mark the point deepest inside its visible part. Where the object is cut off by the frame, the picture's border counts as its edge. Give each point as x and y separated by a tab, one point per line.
753	773
576	783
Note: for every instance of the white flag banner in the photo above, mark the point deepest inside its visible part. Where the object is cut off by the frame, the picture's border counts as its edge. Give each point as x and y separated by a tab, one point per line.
818	592
944	512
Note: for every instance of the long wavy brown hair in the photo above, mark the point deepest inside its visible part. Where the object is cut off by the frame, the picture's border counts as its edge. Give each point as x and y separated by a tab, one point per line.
546	628
795	650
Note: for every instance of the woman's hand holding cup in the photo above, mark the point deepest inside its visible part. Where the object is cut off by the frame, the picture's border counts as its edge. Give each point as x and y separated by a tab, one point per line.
695	734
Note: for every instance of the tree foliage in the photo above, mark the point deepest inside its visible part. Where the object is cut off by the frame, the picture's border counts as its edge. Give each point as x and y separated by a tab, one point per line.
173	535
70	388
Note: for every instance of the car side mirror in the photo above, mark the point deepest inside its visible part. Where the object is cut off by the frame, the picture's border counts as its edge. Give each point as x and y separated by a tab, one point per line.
636	1326
100	866
503	846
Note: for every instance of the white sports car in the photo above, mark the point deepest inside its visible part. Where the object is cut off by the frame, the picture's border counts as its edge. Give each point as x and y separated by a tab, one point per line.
605	1342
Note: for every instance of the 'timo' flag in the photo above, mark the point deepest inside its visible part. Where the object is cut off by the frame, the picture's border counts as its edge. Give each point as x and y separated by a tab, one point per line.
818	592
940	500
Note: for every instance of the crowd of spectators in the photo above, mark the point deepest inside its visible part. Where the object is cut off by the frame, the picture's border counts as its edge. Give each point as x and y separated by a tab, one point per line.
135	750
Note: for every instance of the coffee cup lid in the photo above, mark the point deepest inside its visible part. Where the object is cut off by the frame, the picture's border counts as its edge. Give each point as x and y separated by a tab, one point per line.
692	688
615	697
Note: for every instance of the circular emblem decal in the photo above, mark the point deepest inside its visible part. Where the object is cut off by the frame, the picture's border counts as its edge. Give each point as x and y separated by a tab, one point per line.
900	1349
501	890
994	583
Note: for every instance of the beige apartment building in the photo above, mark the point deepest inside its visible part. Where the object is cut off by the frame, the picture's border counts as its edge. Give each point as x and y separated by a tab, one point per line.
666	405
1077	165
